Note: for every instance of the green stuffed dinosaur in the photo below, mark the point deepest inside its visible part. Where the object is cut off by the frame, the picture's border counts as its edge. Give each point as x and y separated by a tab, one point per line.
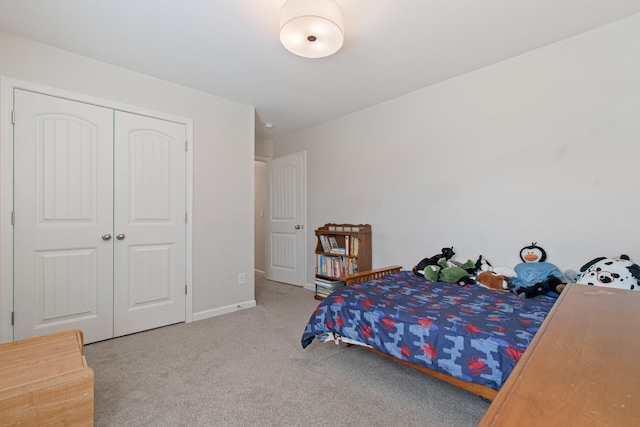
443	272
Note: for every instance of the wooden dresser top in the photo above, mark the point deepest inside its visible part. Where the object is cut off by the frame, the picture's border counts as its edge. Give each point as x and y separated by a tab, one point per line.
581	369
35	359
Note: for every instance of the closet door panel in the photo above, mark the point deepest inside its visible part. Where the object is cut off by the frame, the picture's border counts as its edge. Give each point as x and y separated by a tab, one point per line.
149	206
63	195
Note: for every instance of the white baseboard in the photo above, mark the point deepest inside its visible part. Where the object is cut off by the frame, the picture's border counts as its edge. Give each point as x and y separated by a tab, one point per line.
310	286
201	315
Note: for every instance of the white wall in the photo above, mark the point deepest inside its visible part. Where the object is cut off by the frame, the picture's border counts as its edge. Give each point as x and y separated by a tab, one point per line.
260	206
263	152
543	147
223	159
264	148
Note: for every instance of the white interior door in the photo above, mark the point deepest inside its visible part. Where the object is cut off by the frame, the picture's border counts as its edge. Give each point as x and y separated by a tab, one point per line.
100	223
149	227
63	196
285	225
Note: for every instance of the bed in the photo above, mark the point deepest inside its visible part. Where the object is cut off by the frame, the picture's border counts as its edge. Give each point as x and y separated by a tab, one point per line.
469	336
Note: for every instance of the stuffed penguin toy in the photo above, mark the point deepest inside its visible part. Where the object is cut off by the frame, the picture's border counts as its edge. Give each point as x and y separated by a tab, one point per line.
534	276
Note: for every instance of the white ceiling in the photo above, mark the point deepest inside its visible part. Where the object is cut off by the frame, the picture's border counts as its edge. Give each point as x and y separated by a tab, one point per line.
231	48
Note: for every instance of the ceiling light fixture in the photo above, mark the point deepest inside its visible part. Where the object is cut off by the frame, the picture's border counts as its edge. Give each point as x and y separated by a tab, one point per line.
312	28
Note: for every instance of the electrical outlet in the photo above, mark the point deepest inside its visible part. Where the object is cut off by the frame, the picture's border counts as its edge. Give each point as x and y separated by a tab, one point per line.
242	279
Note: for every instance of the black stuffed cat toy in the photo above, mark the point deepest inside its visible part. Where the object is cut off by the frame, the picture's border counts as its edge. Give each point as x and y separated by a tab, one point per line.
447	253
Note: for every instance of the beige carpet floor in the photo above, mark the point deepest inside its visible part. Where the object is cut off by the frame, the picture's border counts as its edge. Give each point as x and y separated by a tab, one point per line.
248	369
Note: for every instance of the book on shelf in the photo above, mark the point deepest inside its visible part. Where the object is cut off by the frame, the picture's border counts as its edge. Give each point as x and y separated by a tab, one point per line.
335	266
324	243
333	243
328	283
330	245
355	245
325	287
324	292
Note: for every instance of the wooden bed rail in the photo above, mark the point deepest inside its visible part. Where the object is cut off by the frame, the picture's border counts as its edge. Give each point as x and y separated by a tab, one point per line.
483	391
363	276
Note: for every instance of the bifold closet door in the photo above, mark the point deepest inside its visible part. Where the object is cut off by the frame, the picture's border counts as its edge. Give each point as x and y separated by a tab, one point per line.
63	207
149	223
99	206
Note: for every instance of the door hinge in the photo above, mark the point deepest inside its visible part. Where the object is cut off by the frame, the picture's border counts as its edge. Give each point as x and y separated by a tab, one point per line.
185	145
13	218
185	289
13	317
186	216
13	117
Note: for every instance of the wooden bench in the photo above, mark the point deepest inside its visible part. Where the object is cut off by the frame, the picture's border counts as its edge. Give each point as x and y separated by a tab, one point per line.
45	381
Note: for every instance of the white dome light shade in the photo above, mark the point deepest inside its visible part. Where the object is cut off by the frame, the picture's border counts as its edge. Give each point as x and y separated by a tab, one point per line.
312	28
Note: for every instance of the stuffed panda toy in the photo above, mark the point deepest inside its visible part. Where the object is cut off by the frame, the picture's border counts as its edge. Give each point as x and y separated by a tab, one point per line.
619	273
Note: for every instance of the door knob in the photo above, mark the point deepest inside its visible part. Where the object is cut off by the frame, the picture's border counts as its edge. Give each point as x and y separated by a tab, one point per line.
298	227
106	236
120	236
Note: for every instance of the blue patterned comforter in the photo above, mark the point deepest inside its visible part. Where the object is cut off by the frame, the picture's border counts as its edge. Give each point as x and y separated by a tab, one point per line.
469	332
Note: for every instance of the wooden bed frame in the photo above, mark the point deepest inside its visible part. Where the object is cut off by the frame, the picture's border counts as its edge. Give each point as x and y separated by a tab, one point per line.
481	390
